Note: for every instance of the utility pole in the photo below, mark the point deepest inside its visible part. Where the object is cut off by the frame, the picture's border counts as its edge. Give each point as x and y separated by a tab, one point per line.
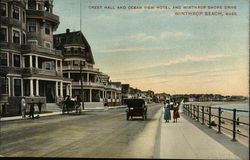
82	93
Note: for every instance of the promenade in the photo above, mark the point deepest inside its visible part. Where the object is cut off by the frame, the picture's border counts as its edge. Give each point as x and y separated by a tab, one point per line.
187	139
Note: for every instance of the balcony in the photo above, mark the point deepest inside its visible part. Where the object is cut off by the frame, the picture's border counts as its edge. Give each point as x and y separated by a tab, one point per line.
39	71
112	87
4	70
66	68
90	84
30	48
43	15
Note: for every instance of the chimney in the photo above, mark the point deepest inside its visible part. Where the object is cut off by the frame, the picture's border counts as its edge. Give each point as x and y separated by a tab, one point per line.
67	30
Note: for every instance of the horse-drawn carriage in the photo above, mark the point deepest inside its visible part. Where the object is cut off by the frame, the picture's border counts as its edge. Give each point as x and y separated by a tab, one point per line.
70	105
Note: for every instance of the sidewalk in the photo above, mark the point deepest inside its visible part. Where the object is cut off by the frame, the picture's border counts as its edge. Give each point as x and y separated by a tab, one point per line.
59	112
183	140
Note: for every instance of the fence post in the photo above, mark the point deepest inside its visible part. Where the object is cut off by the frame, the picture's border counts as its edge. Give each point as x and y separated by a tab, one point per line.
190	109
198	115
194	111
234	124
209	117
219	120
202	115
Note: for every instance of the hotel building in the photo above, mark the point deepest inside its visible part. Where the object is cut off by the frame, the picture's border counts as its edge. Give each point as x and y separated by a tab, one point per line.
42	67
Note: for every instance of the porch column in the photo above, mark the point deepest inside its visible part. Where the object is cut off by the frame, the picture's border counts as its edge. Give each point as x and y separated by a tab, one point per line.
61	89
68	74
21	86
90	95
36	61
23	61
111	95
61	66
37	87
31	88
67	89
31	62
70	90
56	65
103	97
56	89
115	96
87	77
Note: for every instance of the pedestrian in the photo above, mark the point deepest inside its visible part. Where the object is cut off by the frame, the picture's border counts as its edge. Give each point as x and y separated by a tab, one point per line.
32	110
40	104
167	114
176	112
23	107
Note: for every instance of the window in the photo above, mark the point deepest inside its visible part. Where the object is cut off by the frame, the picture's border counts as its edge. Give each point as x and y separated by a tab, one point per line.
17	87
4	9
48	66
16	60
46	6
32	26
24	38
76	63
47	29
3	85
33	42
47	44
3	59
40	7
32	5
16	37
3	35
15	12
24	17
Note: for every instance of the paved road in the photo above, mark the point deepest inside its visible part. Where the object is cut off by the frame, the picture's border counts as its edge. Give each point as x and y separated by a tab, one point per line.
91	135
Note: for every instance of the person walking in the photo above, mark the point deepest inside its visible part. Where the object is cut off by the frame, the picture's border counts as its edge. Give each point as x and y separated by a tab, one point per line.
176	112
32	110
23	107
167	114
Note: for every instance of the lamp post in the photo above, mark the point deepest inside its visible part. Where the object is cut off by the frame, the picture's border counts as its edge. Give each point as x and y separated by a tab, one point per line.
82	94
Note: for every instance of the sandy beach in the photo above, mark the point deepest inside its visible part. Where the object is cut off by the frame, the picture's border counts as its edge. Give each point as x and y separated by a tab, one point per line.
243	129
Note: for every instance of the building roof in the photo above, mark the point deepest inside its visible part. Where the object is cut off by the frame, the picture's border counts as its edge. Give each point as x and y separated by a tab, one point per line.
72	39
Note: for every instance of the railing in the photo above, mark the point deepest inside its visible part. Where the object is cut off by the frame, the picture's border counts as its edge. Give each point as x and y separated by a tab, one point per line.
42	71
37	13
32	48
205	114
88	84
95	84
112	87
78	68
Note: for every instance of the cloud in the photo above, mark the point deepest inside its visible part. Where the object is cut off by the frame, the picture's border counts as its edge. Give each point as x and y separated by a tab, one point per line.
153	37
185	59
118	50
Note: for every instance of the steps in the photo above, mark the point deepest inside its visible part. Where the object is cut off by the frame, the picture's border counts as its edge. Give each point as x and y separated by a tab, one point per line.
53	107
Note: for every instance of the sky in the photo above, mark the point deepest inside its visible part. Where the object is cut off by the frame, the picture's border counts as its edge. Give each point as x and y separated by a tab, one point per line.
155	49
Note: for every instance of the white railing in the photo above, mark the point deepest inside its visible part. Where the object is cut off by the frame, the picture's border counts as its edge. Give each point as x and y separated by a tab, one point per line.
78	68
95	84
